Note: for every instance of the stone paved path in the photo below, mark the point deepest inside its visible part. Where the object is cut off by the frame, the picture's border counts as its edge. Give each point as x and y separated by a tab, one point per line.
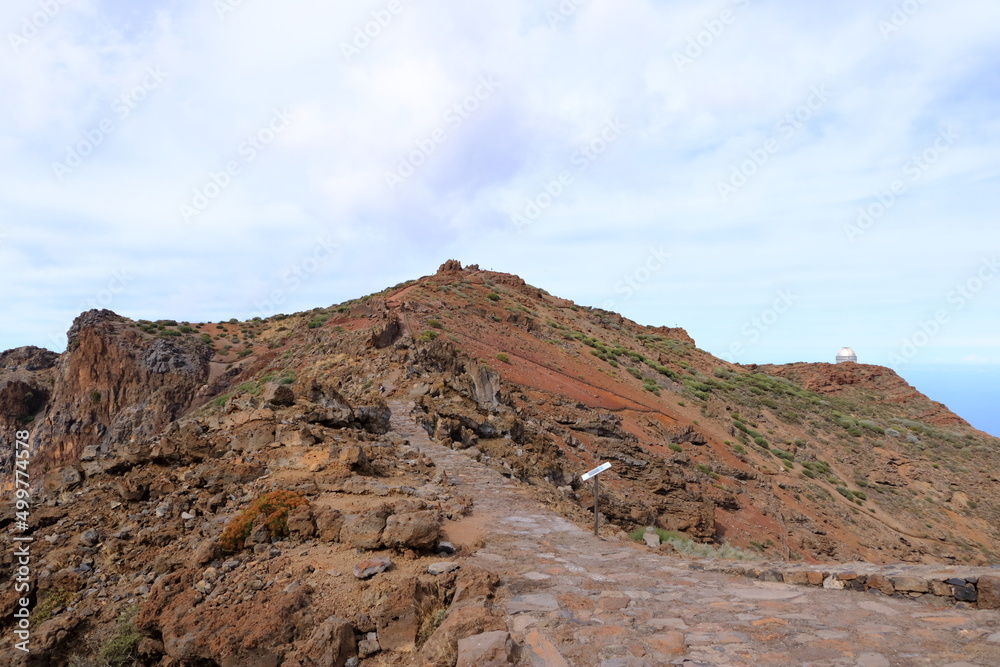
583	601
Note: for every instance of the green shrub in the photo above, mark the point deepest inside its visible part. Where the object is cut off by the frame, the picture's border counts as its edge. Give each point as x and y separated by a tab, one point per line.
493	296
220	401
434	324
49	602
170	332
205	338
185	329
95	396
121	648
502	357
427	335
634	373
675	447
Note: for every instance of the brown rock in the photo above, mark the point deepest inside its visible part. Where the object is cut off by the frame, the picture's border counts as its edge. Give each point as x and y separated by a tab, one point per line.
278	395
489	649
353	457
401	614
941	589
797	578
416	530
988	590
206	552
330	645
372	566
131	490
328	524
295	436
815	578
909	584
364	531
881	583
300	523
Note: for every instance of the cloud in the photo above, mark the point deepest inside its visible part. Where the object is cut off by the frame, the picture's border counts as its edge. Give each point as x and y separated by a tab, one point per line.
686	130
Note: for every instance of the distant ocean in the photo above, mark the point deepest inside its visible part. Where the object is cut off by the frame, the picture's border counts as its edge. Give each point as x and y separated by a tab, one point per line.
970	391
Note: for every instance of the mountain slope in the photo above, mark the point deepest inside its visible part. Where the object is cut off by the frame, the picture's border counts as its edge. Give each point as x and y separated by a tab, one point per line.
150	439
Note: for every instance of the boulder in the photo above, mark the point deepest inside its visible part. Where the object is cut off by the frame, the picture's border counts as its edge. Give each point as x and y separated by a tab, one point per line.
416	530
488	649
402	612
301	524
328	524
364	531
353	457
278	395
988	590
907	584
331	644
881	583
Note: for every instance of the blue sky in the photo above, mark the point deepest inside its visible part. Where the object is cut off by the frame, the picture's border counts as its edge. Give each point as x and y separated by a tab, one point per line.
780	178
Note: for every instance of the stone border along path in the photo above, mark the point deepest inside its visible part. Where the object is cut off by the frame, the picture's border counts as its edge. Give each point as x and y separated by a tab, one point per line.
579	600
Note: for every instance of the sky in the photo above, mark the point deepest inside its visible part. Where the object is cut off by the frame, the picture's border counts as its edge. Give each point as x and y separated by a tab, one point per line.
779	178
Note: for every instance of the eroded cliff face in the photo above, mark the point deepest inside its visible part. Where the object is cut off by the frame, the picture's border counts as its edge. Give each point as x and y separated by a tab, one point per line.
115	386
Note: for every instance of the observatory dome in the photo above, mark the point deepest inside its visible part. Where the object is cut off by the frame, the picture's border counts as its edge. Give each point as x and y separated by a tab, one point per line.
846	354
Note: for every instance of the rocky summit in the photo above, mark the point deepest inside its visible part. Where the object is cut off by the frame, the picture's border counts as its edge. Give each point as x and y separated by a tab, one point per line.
396	480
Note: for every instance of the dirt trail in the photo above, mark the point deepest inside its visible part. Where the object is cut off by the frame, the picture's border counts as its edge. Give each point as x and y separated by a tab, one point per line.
580	600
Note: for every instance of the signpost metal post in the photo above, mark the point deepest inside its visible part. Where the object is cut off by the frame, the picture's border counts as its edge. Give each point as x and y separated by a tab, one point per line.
594	473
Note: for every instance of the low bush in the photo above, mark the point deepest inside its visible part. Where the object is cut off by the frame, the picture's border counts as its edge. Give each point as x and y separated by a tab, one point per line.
274	507
121	648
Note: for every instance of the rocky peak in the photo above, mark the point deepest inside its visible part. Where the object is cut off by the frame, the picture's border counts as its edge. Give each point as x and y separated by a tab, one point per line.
90	319
29	358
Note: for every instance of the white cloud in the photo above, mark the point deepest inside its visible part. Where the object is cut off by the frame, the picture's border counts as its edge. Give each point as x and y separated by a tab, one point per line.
656	184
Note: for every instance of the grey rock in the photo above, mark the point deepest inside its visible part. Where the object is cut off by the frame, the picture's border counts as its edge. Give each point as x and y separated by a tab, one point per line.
442	568
368	568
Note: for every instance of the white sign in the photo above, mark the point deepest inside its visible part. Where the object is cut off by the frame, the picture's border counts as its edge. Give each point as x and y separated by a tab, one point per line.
596	471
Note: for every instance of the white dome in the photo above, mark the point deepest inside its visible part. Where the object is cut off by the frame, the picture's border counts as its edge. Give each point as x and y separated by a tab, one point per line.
846	354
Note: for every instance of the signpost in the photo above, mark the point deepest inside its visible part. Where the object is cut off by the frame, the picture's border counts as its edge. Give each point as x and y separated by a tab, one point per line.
594	473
